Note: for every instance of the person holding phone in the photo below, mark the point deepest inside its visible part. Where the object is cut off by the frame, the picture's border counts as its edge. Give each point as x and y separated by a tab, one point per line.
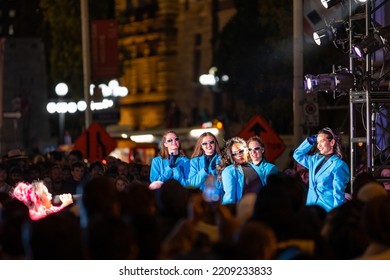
203	165
171	163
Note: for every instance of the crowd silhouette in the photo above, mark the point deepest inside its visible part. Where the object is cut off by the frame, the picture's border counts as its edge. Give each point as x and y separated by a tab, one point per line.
119	217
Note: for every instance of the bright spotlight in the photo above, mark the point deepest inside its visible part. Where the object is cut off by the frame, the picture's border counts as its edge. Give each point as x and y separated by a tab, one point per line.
373	42
330	3
340	81
334	32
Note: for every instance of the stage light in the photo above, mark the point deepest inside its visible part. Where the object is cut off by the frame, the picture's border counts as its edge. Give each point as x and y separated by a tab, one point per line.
372	43
360	2
330	3
335	32
340	81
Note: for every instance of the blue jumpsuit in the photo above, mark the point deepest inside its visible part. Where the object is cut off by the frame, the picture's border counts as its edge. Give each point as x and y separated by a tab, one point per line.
233	179
198	174
160	170
327	186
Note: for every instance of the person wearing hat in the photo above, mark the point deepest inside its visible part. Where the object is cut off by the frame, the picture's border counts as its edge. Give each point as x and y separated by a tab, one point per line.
15	156
18	164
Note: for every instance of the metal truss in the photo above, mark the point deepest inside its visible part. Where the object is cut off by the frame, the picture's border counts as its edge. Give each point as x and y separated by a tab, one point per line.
369	101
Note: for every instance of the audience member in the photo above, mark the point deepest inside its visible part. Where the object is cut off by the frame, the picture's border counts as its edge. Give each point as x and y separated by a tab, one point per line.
376	223
4	186
360	180
256	241
370	190
56	179
38	199
96	169
385	174
77	175
343	233
14	214
56	237
74	156
109	237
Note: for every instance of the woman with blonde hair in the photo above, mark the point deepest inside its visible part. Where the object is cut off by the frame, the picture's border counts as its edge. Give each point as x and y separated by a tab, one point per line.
171	163
38	199
239	175
203	165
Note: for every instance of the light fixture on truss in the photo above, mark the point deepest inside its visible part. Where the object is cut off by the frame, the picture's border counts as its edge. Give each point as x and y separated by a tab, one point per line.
336	32
330	3
340	81
375	41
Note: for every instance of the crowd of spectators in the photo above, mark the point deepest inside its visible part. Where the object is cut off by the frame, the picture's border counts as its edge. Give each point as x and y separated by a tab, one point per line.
119	217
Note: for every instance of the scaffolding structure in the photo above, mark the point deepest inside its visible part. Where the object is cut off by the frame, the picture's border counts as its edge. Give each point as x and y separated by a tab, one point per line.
370	97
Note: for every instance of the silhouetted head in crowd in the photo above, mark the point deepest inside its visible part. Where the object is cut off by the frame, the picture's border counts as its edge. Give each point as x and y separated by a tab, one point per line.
360	180
172	199
13	216
343	233
100	196
56	237
282	192
376	220
109	238
74	156
371	190
256	241
96	169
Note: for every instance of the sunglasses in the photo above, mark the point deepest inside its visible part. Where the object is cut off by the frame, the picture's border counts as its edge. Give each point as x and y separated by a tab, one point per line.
172	139
240	152
254	149
212	142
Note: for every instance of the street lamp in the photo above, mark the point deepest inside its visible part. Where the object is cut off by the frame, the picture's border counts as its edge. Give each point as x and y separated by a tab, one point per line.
61	90
109	93
212	81
62	107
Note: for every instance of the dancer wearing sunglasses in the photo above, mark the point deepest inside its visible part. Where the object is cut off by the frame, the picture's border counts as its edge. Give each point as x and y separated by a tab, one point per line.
239	176
256	149
204	161
171	163
328	172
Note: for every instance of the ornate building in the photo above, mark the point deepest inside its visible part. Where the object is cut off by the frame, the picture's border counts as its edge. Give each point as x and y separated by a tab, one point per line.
165	46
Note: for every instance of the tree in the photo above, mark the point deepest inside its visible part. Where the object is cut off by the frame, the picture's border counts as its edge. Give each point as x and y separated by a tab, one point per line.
62	25
63	43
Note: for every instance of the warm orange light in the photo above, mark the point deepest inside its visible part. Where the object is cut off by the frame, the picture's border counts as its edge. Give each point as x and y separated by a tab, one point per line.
219	125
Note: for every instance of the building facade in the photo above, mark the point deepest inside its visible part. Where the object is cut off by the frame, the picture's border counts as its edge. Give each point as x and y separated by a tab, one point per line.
165	45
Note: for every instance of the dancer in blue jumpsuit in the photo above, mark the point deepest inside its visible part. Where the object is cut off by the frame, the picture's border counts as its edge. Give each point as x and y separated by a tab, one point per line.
239	175
328	172
171	163
203	165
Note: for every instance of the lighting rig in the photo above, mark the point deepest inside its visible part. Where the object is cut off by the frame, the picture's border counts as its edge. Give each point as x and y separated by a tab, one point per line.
366	80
